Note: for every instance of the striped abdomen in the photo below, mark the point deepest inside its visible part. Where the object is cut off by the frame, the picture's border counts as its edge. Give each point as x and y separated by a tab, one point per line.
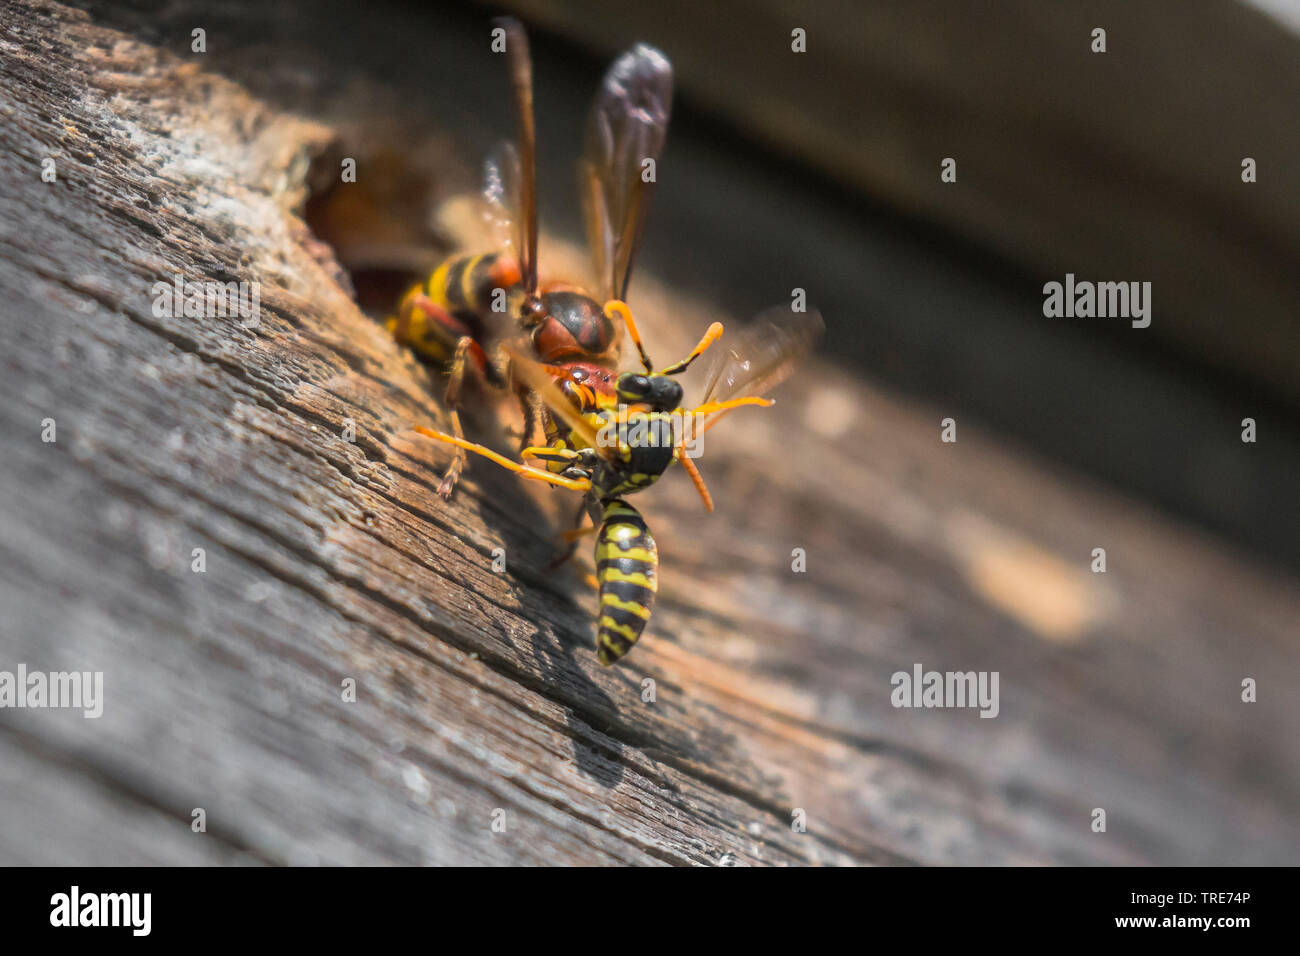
461	292
627	566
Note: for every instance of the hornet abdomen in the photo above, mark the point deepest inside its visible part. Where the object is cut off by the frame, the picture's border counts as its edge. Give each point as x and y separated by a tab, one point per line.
627	567
452	303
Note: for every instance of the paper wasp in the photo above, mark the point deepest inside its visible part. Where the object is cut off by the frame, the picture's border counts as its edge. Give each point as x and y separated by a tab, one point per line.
623	446
608	434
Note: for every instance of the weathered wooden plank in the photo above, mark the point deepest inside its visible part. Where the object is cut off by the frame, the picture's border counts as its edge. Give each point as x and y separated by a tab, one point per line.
68	802
478	691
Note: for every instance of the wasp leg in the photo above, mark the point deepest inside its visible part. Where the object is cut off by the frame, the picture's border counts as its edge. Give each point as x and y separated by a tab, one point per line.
711	408
465	347
573	536
617	307
573	484
588	574
575	471
582	462
531	406
550	453
427	327
696	478
576	534
582	563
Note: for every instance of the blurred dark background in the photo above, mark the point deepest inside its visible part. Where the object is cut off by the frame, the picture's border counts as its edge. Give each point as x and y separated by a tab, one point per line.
821	170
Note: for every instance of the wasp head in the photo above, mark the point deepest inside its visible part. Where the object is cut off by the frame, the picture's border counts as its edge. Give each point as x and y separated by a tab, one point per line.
660	392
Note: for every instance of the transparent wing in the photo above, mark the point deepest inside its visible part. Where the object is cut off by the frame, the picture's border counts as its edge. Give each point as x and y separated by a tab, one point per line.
502	198
627	126
763	354
523	168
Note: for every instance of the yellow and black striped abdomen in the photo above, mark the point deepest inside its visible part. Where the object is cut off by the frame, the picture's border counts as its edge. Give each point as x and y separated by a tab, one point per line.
461	292
466	285
627	567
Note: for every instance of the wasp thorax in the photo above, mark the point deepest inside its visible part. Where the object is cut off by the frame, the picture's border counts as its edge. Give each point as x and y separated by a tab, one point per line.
571	324
660	392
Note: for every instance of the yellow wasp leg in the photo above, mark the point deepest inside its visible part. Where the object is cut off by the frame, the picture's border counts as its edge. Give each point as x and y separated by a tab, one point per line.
572	536
573	484
576	534
711	407
588	575
548	453
720	410
696	478
714	420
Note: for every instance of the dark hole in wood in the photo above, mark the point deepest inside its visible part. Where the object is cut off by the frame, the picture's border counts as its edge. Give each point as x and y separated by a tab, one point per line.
379	224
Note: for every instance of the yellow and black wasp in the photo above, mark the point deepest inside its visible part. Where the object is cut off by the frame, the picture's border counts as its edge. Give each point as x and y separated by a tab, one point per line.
624	445
608	434
473	306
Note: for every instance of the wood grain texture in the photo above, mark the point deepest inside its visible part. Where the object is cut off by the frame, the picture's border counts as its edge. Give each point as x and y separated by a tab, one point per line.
477	691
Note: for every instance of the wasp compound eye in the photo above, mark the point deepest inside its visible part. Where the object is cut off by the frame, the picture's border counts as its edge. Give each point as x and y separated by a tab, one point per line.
633	386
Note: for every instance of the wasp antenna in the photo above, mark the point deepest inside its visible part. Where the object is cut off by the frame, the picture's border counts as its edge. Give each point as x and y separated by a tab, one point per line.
711	335
617	307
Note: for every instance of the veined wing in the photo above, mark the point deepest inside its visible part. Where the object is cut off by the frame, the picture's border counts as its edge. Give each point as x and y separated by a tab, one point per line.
763	354
627	126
